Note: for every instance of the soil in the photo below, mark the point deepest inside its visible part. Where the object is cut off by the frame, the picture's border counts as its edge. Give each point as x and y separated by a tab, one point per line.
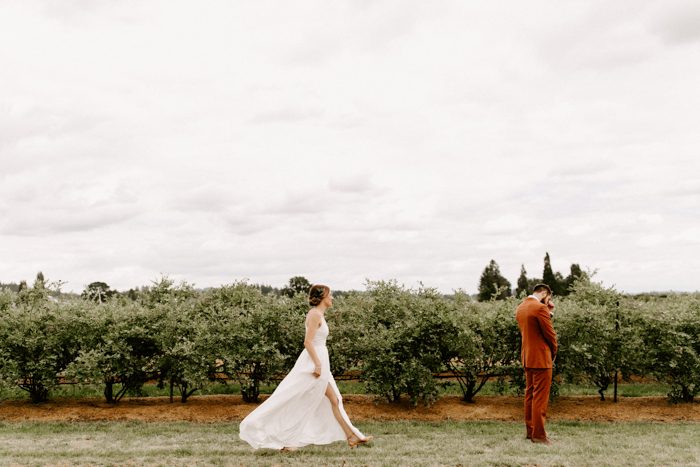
224	408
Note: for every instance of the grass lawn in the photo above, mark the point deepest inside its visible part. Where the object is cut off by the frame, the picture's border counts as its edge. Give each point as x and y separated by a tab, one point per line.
396	443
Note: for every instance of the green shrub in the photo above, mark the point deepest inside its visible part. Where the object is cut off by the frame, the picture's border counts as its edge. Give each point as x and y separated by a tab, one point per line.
672	345
38	340
399	338
252	333
186	362
486	345
124	349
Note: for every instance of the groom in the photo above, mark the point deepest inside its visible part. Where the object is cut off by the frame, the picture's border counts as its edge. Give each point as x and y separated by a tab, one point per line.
539	349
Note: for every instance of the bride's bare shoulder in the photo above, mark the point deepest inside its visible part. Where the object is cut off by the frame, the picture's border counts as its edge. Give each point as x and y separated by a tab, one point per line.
313	316
313	312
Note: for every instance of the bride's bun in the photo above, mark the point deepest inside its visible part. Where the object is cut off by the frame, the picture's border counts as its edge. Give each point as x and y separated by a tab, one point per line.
317	293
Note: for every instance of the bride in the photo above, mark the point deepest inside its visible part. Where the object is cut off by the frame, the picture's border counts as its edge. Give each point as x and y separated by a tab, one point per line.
306	408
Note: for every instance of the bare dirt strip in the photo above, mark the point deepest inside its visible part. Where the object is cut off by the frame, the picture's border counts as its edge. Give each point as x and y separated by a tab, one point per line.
359	407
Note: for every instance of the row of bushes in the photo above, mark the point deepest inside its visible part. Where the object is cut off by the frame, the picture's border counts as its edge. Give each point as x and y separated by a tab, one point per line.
396	338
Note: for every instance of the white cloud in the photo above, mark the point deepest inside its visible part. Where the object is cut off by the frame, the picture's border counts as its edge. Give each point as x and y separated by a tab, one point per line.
348	140
676	21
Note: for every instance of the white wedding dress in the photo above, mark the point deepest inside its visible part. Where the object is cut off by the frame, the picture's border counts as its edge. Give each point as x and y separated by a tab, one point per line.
298	412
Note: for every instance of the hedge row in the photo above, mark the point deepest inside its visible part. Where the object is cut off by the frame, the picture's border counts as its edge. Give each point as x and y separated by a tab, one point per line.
397	338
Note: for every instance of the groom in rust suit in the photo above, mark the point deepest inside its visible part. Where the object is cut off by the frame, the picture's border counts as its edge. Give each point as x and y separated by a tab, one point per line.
539	349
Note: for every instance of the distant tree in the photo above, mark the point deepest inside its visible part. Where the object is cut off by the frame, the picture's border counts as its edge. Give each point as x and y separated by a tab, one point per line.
576	273
492	284
523	287
532	282
554	281
296	285
22	286
267	289
10	286
561	282
341	293
98	292
40	282
132	294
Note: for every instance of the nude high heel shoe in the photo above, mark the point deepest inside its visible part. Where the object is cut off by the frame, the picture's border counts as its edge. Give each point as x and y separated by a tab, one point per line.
354	441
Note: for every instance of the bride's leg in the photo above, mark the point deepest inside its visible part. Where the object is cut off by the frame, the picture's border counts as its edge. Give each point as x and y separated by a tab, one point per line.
330	394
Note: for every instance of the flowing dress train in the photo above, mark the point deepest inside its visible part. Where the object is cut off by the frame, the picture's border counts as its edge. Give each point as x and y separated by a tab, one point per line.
298	413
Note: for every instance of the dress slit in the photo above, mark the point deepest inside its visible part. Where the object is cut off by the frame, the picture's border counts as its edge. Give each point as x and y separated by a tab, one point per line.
298	413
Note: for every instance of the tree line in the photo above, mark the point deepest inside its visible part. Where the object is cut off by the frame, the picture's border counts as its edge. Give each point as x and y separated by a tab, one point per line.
395	338
493	285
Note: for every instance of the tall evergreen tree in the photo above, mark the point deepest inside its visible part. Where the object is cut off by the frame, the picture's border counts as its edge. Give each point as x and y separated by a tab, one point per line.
523	285
492	284
550	278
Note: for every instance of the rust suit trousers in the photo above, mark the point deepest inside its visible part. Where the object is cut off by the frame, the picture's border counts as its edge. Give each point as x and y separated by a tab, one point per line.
537	384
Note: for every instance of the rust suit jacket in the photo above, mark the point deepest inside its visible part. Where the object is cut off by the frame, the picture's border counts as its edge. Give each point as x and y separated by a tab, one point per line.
539	341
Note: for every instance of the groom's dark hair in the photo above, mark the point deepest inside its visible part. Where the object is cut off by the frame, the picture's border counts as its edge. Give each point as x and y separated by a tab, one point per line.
542	288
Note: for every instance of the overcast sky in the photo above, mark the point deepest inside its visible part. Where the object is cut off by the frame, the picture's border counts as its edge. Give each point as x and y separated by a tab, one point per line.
350	140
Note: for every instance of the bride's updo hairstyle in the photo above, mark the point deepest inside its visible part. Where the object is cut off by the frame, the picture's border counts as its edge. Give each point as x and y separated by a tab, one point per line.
317	293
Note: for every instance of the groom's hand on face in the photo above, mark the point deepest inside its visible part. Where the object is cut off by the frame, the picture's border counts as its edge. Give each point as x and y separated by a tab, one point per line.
550	304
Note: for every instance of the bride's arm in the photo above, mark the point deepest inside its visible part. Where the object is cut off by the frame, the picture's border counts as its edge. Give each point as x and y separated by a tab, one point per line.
313	320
